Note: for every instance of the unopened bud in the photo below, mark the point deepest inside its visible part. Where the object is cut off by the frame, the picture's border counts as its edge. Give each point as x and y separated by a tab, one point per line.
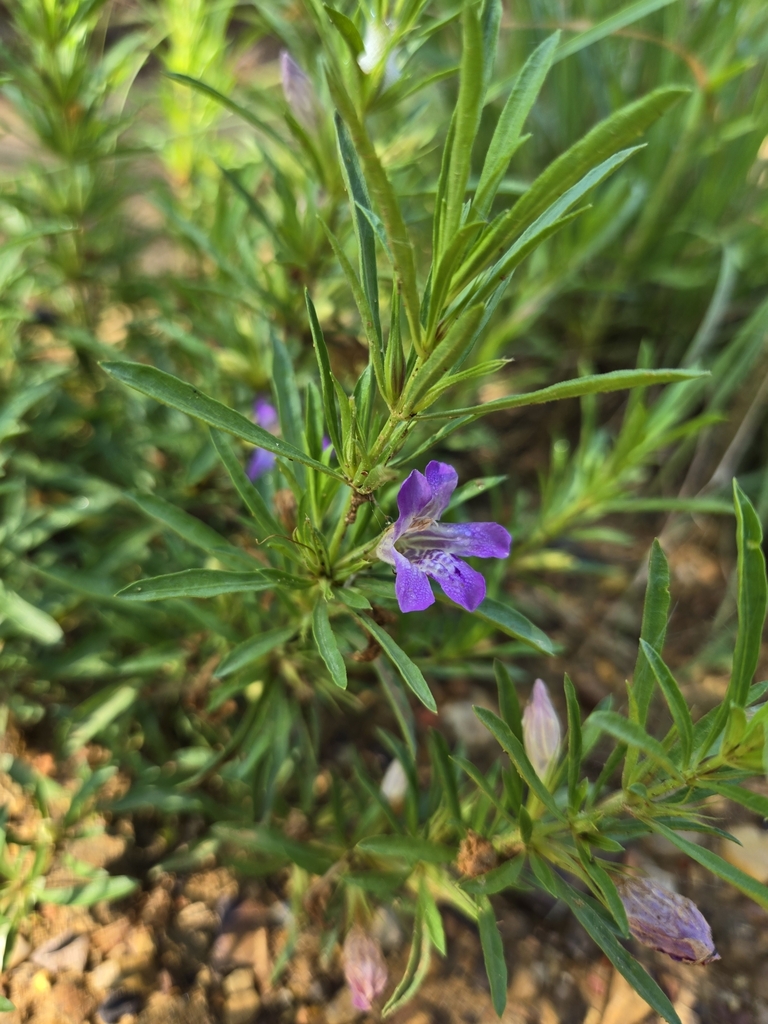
298	91
364	967
394	785
541	729
376	43
667	922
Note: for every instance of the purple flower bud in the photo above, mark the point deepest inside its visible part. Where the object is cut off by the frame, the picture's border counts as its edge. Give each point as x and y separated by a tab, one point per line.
298	91
541	729
266	416
666	921
364	967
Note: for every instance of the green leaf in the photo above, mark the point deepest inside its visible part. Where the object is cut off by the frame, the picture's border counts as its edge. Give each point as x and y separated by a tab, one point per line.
327	380
574	743
493	953
6	1006
746	797
506	137
268	526
509	705
411	674
208	583
27	619
613	23
441	760
443	358
606	138
415	970
503	877
287	395
252	650
674	698
514	748
514	624
605	887
366	238
431	916
236	108
169	390
654	627
734	876
407	848
347	30
751	597
191	529
327	644
100	711
599	383
108	888
592	923
482	784
468	111
633	735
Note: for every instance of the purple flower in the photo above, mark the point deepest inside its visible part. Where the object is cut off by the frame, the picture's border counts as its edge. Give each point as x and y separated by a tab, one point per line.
666	921
364	967
298	91
541	729
265	415
419	546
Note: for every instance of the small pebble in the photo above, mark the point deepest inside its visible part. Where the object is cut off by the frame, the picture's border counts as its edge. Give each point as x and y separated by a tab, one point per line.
119	1004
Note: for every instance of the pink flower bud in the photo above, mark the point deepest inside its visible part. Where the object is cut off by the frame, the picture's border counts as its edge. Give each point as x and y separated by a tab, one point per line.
364	967
666	921
298	91
541	729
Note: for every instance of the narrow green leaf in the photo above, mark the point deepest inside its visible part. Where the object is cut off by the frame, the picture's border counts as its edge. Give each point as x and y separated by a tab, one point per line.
514	748
188	527
468	111
443	358
347	30
27	619
407	848
604	885
674	698
431	916
592	923
746	797
106	888
613	23
416	969
506	137
267	525
253	649
102	709
599	383
751	597
509	705
169	390
606	138
327	380
411	674
633	735
574	743
733	875
366	240
287	394
327	644
208	583
493	953
225	101
490	22
482	783
514	624
441	760
6	1006
654	627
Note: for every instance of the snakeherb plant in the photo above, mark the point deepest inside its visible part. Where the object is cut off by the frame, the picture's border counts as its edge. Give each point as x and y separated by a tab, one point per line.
322	590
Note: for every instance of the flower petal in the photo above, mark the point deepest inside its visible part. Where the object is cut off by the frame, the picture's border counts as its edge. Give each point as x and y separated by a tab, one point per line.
459	581
442	480
412	588
260	463
481	540
412	499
